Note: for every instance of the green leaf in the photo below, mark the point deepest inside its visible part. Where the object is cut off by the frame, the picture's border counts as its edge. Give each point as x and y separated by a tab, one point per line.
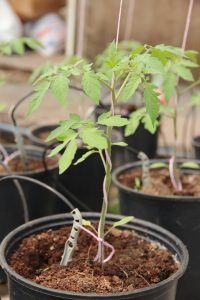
190	165
123	221
60	87
183	72
70	134
63	129
38	96
18	46
169	85
195	100
2	106
151	101
137	183
188	63
146	120
86	222
153	65
132	126
158	165
32	43
134	121
131	86
91	86
120	144
68	156
116	121
94	138
85	156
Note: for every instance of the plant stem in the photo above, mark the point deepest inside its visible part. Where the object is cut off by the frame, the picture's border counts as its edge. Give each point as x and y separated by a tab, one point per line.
194	84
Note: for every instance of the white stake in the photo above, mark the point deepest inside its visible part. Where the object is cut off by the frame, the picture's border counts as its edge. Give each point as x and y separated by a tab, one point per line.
71	27
81	29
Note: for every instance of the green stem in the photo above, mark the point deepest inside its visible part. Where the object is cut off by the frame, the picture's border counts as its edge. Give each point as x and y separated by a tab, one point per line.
123	85
194	84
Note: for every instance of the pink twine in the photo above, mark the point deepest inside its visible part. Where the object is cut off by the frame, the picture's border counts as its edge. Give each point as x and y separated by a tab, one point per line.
119	22
10	157
187	25
101	241
175	181
131	9
81	28
3	151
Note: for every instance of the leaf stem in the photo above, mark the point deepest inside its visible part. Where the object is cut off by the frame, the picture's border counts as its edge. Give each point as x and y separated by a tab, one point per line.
123	85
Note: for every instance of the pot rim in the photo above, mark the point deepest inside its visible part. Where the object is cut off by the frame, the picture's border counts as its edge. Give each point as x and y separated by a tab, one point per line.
127	167
31	149
34	138
149	228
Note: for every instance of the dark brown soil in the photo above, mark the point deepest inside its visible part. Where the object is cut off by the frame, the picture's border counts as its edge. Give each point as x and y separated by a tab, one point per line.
34	164
160	183
137	262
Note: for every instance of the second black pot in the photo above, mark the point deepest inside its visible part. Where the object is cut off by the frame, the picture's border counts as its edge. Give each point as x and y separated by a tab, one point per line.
196	146
23	289
180	215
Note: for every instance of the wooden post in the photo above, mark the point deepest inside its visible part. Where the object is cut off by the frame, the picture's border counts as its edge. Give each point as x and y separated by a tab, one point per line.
81	27
71	27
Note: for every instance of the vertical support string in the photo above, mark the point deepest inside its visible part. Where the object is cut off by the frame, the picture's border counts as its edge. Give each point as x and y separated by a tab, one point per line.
81	28
187	25
119	23
129	21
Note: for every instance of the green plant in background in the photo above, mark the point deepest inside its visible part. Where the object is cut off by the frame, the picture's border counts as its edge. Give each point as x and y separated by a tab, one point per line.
122	76
18	46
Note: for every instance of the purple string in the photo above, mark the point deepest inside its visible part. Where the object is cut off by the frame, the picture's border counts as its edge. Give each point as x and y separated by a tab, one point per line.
101	241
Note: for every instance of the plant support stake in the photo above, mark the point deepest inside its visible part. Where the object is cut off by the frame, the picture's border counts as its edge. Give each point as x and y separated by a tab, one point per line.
71	243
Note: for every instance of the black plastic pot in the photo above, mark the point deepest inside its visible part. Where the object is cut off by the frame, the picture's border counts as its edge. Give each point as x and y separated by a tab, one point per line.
40	203
196	146
23	289
82	183
180	215
36	131
148	142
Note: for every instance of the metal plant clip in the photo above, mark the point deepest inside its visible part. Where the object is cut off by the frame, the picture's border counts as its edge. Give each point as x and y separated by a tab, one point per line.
71	243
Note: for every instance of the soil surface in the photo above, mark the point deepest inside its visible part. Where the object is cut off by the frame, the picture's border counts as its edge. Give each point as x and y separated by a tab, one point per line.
16	165
137	262
160	183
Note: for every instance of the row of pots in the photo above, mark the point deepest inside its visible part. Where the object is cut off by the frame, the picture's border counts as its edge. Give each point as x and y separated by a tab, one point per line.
168	212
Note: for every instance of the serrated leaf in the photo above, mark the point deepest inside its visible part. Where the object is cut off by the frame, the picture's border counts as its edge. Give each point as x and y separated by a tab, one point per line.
86	222
169	85
62	130
32	43
91	86
113	121
68	137
195	100
68	156
60	88
123	221
158	165
188	63
84	157
151	101
132	126
37	97
121	144
104	116
184	73
94	138
18	46
131	86
148	124
190	165
153	65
